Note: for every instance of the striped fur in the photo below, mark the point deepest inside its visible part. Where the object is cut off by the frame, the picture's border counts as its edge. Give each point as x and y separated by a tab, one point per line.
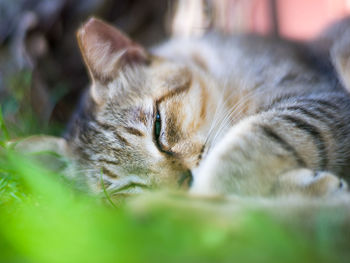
242	114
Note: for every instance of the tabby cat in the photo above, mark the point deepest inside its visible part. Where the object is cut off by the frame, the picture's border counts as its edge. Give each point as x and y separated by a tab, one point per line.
219	115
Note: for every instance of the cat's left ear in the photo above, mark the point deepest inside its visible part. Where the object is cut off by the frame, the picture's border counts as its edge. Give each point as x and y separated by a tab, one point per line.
105	49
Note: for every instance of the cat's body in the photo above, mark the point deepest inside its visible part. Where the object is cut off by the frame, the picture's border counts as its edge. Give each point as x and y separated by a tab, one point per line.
244	114
294	102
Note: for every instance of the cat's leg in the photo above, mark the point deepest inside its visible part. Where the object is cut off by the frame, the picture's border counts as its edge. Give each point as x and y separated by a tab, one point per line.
262	152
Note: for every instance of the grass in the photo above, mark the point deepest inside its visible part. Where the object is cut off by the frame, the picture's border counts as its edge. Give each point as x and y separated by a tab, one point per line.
44	218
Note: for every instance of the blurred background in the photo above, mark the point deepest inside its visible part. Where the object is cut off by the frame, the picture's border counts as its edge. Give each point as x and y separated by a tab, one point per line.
41	71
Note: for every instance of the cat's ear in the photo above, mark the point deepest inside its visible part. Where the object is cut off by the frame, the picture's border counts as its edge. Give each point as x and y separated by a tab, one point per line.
336	39
340	54
52	152
105	49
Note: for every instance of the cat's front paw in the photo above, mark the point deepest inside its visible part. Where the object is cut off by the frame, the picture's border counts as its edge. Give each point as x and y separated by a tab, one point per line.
309	183
302	182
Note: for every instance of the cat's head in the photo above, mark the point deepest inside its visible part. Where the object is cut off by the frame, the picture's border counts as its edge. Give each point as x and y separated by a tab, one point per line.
144	120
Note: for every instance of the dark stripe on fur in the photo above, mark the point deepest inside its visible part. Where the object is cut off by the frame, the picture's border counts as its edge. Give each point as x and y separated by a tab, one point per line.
111	128
278	100
308	113
321	102
121	139
175	92
284	144
315	134
319	113
105	126
108	161
109	173
326	113
134	131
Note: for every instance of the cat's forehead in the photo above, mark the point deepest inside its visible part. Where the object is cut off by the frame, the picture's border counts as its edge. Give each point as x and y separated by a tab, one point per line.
131	83
168	75
135	85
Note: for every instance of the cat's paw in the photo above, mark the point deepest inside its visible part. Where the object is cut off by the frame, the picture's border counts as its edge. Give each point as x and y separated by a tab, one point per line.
309	183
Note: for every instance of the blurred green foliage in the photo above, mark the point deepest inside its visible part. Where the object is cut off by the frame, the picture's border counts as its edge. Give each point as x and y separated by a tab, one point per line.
45	219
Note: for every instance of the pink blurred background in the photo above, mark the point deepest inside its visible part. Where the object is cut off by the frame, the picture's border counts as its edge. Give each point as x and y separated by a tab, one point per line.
297	19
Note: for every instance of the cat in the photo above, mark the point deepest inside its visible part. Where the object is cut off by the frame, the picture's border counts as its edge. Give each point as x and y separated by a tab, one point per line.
218	115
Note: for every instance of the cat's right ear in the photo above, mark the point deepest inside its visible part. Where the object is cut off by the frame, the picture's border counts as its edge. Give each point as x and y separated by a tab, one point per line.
336	39
340	53
105	50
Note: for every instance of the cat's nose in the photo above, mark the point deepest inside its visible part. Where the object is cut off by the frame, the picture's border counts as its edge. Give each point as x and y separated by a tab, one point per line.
186	179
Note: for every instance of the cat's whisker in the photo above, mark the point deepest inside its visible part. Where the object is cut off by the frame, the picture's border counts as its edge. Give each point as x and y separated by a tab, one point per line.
218	116
218	120
225	121
237	109
228	121
220	106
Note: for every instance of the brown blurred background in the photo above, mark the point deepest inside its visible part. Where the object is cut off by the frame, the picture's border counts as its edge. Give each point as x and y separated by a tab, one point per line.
41	71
